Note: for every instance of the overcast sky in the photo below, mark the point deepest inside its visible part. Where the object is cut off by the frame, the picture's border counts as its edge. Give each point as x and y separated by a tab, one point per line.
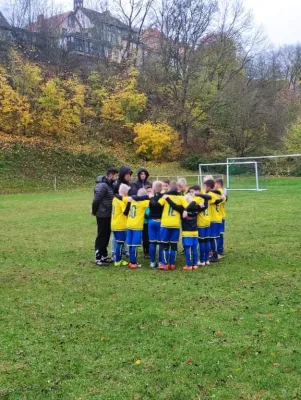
281	19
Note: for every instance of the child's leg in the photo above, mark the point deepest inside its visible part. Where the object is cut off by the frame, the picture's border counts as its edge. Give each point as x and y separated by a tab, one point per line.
145	240
221	239
118	254
188	255
160	255
132	250
221	244
173	253
202	250
207	249
195	255
152	251
166	253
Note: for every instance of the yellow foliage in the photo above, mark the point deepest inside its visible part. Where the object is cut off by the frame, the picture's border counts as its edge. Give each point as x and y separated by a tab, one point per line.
125	104
157	141
293	138
61	107
15	113
26	76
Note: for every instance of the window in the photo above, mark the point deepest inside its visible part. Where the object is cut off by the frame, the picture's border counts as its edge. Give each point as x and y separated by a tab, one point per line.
71	22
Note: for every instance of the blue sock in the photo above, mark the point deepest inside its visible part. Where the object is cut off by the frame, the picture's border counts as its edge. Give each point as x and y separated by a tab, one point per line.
132	250
202	250
152	251
187	251
172	256
160	253
118	254
221	244
207	249
195	254
166	255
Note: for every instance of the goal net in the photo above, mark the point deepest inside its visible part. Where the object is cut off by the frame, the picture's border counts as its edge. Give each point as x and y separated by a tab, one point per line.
269	168
237	175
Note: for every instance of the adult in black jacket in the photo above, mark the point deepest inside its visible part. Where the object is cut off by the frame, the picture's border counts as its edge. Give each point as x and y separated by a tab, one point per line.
102	210
142	180
125	176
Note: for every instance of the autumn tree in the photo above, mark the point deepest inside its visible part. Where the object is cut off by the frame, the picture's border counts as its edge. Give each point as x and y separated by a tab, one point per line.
158	142
15	114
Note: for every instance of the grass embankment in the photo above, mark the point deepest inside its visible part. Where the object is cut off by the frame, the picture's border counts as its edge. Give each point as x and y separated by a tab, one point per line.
28	165
73	331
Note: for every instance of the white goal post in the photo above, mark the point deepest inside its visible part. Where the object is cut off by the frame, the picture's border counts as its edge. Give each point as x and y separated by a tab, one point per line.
228	165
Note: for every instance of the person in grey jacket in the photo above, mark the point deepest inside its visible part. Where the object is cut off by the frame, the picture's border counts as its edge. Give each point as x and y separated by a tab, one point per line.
102	210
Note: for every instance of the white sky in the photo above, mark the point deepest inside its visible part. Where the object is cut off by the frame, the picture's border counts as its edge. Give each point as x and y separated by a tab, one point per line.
281	19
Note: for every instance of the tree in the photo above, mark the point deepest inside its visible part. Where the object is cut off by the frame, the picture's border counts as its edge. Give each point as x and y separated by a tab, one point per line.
125	104
15	114
158	142
134	14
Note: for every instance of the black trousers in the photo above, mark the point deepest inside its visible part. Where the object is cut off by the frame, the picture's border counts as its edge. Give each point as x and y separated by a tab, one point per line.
145	239
103	237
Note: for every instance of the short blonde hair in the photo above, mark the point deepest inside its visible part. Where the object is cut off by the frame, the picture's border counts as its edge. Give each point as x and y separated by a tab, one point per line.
189	197
142	192
182	182
157	185
123	189
208	178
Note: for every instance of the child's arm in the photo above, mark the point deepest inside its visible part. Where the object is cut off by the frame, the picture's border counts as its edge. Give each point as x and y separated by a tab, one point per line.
204	196
175	206
140	198
128	207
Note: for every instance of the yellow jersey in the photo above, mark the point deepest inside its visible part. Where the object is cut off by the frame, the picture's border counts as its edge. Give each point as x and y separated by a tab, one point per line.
222	206
214	209
136	215
170	217
203	219
118	220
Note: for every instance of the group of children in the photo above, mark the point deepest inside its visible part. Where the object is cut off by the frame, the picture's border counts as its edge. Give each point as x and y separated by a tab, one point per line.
171	210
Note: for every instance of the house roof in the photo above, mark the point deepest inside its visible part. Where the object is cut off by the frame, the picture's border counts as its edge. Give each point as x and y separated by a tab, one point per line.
53	22
3	22
104	17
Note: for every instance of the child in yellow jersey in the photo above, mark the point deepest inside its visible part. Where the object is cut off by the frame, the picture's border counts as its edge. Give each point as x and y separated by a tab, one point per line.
219	186
203	224
214	201
134	225
120	211
170	226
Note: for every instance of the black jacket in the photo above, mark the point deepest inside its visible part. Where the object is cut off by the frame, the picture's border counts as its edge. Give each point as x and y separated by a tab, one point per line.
155	208
103	197
122	172
139	183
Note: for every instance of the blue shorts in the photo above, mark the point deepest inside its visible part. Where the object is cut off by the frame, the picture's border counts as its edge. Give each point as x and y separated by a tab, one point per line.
223	226
169	235
189	241
154	227
120	236
215	229
204	233
133	237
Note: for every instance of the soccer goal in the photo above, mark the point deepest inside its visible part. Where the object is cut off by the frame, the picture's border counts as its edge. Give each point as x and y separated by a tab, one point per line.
269	168
240	175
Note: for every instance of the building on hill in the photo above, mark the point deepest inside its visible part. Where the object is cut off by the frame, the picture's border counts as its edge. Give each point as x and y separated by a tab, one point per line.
5	28
91	33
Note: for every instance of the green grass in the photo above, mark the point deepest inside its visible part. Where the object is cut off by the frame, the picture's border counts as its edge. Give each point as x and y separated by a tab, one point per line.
70	330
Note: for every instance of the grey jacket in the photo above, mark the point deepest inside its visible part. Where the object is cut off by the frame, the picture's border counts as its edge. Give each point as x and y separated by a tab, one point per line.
103	197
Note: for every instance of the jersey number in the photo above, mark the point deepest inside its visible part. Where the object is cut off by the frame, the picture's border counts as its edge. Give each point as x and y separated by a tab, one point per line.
133	212
171	212
206	213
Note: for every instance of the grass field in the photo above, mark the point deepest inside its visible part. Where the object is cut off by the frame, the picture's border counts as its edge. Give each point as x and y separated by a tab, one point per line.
70	330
